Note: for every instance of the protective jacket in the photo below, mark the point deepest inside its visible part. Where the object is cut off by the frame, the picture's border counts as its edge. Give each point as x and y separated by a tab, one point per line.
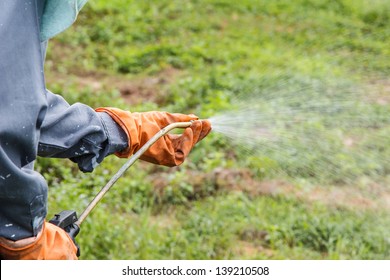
34	121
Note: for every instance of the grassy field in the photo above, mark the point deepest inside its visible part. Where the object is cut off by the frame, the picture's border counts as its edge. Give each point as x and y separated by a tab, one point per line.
330	199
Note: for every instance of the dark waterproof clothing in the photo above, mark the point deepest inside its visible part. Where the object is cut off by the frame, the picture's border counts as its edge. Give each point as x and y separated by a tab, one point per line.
34	121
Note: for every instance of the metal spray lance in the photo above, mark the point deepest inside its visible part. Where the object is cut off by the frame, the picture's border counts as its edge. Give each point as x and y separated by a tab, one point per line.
68	220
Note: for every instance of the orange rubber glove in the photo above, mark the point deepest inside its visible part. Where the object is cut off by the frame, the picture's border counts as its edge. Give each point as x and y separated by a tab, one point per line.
169	150
52	243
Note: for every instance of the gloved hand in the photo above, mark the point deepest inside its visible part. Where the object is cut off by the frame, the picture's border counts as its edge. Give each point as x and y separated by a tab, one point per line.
52	243
169	150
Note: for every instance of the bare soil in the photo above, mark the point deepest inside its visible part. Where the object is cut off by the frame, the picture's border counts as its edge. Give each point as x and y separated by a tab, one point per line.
369	195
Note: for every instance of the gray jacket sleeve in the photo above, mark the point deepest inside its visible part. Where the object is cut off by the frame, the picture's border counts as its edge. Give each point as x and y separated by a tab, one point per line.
79	133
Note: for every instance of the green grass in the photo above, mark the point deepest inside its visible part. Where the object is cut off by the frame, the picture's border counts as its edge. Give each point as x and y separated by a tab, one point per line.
197	57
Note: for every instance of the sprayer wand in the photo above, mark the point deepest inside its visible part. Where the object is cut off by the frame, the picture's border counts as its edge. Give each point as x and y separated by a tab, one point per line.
68	219
127	165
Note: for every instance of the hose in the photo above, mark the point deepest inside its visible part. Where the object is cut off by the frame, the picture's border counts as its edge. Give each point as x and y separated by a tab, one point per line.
127	165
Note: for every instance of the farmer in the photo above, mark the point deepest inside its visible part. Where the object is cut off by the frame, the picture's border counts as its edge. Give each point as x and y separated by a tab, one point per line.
34	121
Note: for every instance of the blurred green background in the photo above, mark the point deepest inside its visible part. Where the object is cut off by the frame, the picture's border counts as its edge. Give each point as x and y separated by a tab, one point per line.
197	56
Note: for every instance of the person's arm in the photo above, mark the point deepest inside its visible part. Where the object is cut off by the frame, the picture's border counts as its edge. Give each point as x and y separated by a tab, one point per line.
87	136
79	133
